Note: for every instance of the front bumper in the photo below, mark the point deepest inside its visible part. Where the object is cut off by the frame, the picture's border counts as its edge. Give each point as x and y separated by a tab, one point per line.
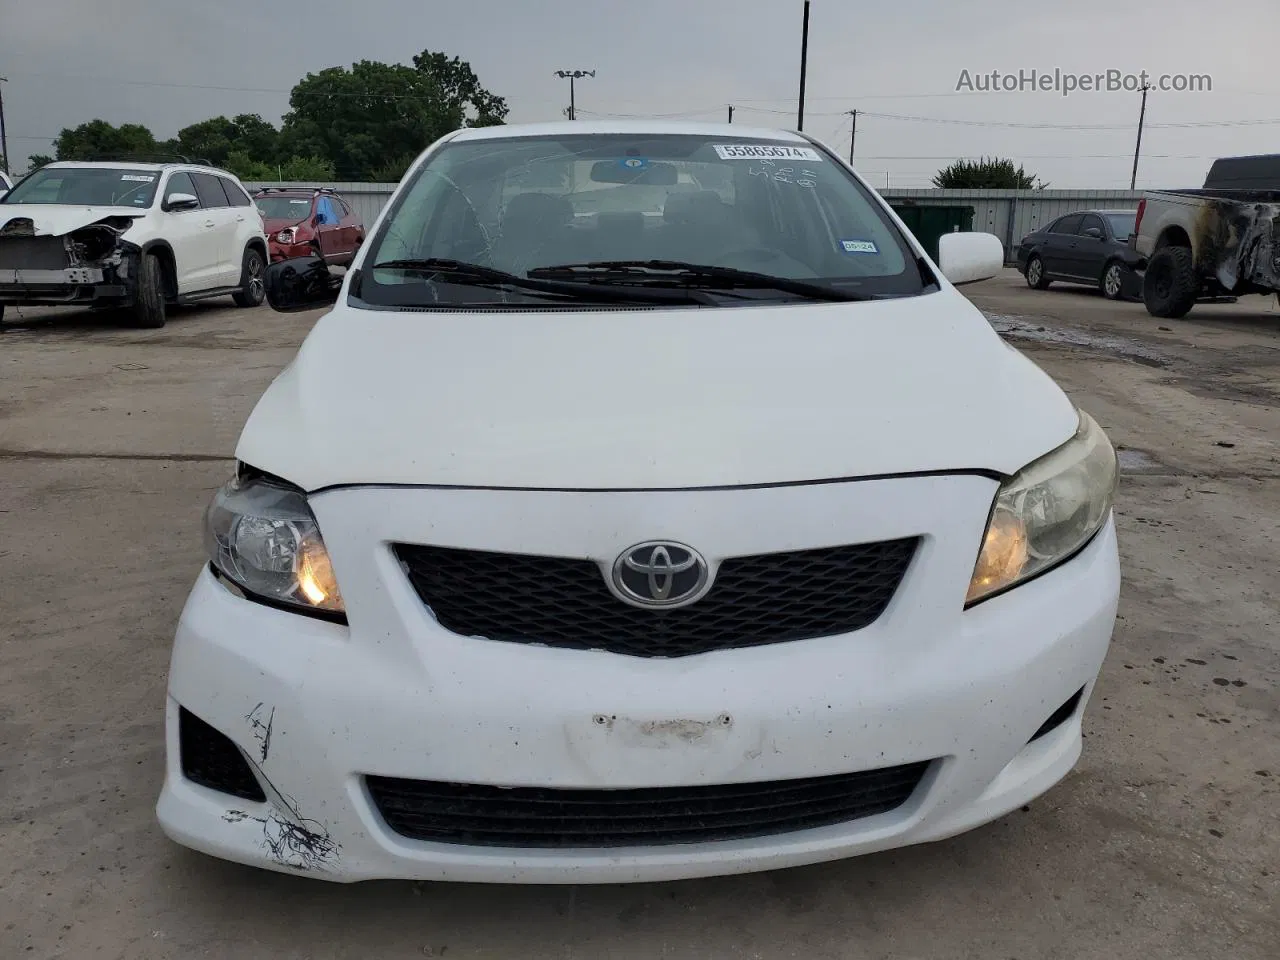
72	285
316	707
288	251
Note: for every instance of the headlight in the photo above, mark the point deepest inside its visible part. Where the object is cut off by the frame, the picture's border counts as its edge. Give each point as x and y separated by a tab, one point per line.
286	235
263	537
1047	512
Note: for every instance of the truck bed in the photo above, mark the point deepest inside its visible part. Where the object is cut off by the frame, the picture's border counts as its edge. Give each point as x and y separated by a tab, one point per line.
1234	235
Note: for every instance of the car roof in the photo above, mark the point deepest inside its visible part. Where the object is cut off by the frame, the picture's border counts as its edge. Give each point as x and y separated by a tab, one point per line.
135	165
561	128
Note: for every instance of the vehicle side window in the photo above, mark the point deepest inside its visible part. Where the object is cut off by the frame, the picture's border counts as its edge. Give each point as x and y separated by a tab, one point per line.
344	210
1092	220
210	193
180	182
325	214
235	196
1069	224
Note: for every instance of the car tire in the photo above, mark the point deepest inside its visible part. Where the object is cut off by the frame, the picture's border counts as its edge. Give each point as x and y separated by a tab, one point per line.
1170	286
1111	283
1036	279
148	309
253	288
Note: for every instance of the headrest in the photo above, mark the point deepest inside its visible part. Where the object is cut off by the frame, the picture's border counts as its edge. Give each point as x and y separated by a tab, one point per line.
684	207
537	209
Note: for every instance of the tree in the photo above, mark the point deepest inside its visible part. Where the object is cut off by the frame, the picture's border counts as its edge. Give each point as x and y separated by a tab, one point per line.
468	103
374	118
38	160
986	174
216	139
247	168
100	138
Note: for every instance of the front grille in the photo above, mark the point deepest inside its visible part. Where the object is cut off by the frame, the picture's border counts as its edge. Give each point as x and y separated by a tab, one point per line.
210	759
562	602
544	818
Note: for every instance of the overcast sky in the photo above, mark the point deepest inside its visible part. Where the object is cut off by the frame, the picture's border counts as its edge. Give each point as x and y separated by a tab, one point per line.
162	62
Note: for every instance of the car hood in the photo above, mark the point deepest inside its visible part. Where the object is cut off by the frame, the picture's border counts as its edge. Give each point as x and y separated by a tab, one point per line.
53	220
653	399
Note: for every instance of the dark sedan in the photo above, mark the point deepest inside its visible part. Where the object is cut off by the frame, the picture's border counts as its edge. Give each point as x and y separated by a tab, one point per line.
1089	247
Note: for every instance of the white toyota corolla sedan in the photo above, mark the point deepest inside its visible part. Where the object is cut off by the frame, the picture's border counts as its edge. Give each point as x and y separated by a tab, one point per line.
649	505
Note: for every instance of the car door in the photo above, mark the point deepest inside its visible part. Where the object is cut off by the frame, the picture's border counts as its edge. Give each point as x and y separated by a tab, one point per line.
1088	254
220	217
191	235
1057	247
248	222
350	227
328	228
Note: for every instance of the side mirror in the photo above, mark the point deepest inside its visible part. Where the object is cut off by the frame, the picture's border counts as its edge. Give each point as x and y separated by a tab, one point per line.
1093	232
303	283
181	201
970	257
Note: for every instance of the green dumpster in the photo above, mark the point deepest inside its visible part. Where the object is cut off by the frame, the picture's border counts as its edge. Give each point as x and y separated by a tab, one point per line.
927	222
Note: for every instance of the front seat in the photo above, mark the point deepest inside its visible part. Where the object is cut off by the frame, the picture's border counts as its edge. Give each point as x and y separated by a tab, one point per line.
533	227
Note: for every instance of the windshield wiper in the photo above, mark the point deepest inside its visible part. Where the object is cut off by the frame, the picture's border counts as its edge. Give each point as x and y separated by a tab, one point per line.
681	273
478	275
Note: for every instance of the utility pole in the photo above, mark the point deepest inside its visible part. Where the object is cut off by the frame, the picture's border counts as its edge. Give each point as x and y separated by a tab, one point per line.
731	113
4	141
804	63
854	135
571	76
1142	116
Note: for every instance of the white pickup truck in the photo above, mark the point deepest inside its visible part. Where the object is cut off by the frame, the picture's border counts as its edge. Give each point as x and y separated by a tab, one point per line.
1222	239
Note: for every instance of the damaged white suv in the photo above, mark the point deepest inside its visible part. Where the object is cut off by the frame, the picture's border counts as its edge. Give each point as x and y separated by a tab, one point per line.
132	235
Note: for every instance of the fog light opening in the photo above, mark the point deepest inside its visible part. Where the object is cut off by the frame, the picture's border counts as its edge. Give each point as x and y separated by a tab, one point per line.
1059	716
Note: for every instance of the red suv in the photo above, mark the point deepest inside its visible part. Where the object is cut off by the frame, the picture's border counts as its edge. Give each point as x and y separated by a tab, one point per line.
301	222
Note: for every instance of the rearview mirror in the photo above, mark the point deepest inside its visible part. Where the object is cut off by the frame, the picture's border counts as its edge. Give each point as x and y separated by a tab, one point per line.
181	201
303	283
634	170
970	257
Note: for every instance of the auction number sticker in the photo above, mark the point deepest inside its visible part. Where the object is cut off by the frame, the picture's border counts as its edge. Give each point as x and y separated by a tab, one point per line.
859	246
136	178
766	151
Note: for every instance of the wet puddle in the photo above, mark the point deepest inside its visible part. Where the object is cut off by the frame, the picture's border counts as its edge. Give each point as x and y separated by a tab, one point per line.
1035	329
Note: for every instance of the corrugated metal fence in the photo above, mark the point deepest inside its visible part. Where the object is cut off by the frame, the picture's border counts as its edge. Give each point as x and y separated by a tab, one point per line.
1009	214
1012	214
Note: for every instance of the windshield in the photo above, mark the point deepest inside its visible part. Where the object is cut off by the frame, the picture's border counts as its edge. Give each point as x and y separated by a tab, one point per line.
284	208
87	186
1122	224
780	208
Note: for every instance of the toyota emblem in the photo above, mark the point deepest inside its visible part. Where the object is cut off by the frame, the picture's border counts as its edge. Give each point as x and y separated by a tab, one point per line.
660	573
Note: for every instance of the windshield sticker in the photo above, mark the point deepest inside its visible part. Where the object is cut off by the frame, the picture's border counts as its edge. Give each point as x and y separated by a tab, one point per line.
301	203
859	246
761	151
136	178
633	163
800	177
